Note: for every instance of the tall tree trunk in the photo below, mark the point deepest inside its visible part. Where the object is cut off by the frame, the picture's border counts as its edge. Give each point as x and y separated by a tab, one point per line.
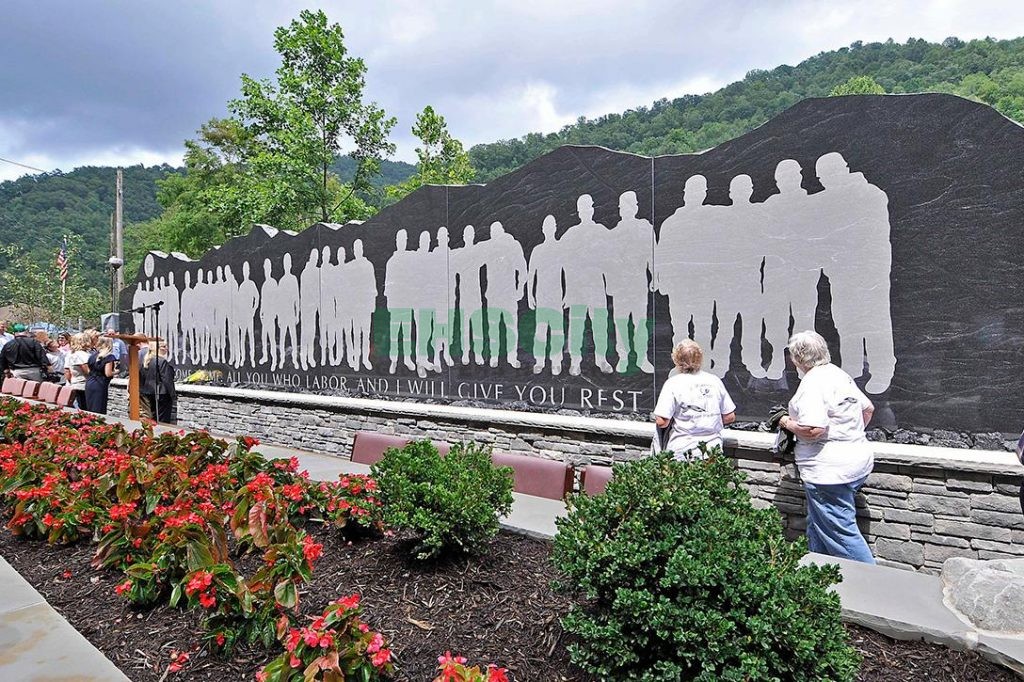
323	197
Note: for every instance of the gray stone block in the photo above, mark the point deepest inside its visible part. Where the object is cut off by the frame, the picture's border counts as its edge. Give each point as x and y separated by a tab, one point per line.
895	531
1008	487
765	477
753	464
988	594
937	490
870	513
991	518
910	553
939	504
944	540
892	482
868	491
968	483
889	502
996	502
1006	548
971	531
937	554
909	517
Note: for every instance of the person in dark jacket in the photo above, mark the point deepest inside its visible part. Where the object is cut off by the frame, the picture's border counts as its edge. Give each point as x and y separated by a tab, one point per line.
24	357
157	386
101	369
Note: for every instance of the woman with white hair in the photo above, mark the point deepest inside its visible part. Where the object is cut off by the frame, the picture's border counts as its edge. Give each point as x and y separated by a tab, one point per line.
693	406
828	415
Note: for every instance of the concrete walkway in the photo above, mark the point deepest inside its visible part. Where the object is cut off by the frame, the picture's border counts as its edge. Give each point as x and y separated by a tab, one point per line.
37	644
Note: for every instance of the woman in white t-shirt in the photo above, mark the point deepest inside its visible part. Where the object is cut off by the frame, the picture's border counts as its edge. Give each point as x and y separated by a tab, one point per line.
694	405
76	369
828	416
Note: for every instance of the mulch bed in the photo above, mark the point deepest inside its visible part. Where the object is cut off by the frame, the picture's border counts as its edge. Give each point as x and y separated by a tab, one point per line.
497	608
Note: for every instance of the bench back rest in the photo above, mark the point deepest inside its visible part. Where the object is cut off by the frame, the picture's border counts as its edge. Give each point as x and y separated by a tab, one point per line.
64	396
535	476
29	389
48	391
595	479
368	447
12	386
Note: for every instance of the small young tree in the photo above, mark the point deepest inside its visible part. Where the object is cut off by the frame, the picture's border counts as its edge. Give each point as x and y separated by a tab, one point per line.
858	85
442	159
294	127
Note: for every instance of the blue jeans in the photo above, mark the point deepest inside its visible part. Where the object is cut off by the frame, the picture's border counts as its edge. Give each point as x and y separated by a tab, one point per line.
832	521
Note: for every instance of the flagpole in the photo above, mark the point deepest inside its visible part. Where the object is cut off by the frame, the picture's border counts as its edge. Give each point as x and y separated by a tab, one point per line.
63	290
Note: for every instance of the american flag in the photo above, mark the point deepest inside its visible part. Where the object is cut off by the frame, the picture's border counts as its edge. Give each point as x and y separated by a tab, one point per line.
62	260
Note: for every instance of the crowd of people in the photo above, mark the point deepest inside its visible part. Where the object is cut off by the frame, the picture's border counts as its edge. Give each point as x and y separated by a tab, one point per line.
87	361
828	416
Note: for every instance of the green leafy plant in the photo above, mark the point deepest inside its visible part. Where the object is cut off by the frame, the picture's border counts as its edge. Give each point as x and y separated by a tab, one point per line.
173	512
457	669
451	503
335	646
685	579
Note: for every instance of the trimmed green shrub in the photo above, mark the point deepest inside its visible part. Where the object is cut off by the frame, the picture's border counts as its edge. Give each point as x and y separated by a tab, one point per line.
686	580
451	503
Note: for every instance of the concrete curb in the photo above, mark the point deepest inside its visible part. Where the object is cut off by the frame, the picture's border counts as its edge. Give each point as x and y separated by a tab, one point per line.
37	643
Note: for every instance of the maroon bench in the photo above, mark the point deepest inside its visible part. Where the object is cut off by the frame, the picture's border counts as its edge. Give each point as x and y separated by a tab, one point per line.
29	389
535	476
48	392
368	447
64	396
594	479
12	386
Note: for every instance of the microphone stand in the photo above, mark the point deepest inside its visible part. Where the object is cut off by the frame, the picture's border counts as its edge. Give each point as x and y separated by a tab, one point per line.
156	360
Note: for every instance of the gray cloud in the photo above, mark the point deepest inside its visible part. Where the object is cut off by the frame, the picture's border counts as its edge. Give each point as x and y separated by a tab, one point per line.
124	81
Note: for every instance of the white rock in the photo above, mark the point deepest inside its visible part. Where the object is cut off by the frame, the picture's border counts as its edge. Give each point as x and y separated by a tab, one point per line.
987	594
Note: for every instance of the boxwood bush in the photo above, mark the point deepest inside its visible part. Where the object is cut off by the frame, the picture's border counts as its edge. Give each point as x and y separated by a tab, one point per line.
451	503
686	580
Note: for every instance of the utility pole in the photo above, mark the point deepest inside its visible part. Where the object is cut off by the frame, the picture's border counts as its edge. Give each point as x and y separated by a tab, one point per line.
119	232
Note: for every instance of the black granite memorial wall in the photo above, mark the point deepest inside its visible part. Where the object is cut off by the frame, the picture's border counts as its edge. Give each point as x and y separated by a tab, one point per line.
891	224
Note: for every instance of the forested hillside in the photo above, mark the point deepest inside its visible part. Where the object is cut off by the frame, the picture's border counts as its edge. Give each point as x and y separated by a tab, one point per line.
988	70
36	211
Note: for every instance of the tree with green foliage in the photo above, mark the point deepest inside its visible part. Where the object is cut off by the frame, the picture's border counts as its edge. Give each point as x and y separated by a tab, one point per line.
858	85
31	287
441	157
275	160
293	128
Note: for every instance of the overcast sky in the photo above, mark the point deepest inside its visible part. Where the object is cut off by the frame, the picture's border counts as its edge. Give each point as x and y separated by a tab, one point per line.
126	81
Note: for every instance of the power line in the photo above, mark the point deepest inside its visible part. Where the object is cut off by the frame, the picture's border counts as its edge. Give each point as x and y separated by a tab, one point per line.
15	163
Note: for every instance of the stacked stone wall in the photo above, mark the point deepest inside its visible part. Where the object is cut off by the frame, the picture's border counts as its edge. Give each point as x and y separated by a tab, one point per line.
914	515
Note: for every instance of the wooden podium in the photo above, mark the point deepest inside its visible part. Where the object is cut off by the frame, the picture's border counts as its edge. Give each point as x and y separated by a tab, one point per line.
134	342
